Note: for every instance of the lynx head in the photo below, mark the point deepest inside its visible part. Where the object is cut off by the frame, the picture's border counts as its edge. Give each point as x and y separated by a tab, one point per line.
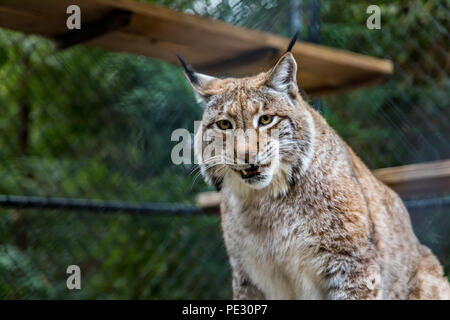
256	132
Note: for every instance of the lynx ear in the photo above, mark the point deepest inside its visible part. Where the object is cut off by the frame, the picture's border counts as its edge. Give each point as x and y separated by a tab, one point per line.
283	76
198	81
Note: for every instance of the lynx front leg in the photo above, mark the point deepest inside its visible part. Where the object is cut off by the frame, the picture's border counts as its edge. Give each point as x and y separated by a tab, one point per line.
352	279
243	289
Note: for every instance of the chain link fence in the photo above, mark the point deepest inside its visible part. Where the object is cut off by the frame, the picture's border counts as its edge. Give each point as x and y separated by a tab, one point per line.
83	123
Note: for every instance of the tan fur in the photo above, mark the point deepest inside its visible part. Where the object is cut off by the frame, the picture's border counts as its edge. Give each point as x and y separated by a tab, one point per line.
321	226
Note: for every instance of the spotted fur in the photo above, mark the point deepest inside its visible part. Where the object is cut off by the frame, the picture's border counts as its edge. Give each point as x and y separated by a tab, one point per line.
318	224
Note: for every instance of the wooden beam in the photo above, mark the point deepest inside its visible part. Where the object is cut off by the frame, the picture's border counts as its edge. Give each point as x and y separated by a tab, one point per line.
242	62
417	179
209	202
111	21
429	178
208	45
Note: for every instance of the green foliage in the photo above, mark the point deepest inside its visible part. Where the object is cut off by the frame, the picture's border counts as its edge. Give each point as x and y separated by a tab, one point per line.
400	122
22	278
121	256
99	126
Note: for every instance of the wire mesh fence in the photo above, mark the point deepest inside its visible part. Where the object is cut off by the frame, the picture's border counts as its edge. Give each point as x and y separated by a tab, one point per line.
89	124
120	256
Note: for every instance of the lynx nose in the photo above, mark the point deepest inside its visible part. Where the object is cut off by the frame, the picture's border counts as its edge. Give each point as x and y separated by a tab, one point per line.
246	148
246	156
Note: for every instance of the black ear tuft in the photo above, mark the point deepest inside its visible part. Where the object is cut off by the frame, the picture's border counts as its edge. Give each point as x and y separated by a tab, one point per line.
191	75
293	40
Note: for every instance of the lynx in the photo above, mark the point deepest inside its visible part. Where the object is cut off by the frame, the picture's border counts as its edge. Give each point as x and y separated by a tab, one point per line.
302	216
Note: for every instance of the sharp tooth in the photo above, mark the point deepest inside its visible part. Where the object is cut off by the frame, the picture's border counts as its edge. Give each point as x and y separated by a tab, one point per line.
259	169
244	172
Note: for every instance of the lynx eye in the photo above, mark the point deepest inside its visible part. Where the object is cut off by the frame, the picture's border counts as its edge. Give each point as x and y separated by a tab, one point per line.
224	124
265	119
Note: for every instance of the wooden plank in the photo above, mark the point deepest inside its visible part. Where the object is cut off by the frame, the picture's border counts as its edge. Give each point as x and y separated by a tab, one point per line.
109	22
430	178
45	17
415	179
209	45
209	202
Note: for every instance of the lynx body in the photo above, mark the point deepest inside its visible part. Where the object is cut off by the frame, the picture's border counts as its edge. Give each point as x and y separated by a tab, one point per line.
308	221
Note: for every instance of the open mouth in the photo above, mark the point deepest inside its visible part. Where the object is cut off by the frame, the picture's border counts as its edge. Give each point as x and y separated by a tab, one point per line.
251	172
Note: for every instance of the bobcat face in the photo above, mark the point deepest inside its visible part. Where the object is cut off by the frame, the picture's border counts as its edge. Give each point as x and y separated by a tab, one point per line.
256	132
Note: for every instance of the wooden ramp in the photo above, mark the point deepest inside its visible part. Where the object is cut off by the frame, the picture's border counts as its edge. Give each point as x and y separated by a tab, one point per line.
210	46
